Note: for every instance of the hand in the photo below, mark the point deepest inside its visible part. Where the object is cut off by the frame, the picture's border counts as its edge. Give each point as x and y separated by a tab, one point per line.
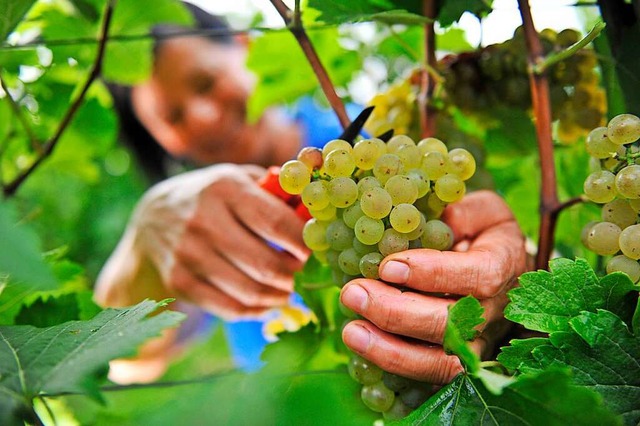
202	237
404	323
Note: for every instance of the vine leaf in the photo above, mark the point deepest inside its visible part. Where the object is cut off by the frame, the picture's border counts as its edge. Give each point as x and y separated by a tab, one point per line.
66	358
12	13
546	301
464	316
532	399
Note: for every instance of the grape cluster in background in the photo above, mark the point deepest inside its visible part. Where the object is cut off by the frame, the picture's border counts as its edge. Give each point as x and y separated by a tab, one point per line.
496	76
616	185
370	200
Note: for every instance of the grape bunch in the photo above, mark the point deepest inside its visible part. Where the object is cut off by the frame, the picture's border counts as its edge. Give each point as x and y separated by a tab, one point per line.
616	185
496	76
370	200
395	108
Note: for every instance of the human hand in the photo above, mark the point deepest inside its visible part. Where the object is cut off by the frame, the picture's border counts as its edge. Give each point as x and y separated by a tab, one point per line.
202	237
406	312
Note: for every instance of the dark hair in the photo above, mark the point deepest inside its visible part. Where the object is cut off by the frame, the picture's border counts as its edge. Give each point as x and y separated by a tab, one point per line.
155	161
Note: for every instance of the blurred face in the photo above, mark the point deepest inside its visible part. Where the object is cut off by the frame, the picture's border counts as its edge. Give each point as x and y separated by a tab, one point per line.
195	103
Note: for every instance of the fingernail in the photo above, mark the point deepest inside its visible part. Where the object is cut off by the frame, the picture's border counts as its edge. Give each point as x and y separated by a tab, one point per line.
355	297
395	272
357	338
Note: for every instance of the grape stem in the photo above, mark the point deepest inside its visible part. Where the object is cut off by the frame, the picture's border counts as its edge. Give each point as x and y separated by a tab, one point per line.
296	28
542	66
427	82
549	204
47	149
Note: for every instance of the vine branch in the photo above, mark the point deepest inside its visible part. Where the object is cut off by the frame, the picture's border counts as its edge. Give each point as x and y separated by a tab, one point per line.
427	82
542	111
10	188
294	23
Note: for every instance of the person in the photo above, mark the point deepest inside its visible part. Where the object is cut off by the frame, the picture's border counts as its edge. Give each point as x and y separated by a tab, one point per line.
208	236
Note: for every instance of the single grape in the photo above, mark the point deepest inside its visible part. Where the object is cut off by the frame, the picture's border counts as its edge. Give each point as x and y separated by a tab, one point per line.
367	151
369	231
369	264
339	235
343	191
584	234
414	396
377	397
349	262
327	214
410	156
334	145
405	218
398	142
399	410
435	164
624	129
294	176
437	235
603	238
351	214
339	163
392	241
363	249
622	263
630	242
600	186
387	166
366	184
432	145
376	203
421	180
417	233
461	163
627	181
402	189
311	157
314	235
450	188
598	144
635	204
619	211
364	371
316	195
395	382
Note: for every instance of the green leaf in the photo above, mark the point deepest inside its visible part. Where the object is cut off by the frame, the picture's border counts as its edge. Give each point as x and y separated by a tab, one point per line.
12	12
546	301
63	358
451	10
49	311
547	398
387	11
463	317
21	257
318	291
518	357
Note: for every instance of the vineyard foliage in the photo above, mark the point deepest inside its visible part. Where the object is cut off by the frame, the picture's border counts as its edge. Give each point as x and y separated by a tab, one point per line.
59	224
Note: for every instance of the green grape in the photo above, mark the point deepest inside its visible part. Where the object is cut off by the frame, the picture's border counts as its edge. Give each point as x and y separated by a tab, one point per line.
327	214
402	189
624	129
395	382
432	145
361	248
376	203
461	163
598	144
332	258
387	166
421	180
603	238
414	396
316	195
314	235
398	142
369	264
635	204
294	176
405	218
336	144
367	151
311	157
392	241
450	188
349	262
399	410
366	184
627	181
599	187
437	235
321	256
377	397
339	163
339	235
619	211
435	164
410	156
584	234
369	231
630	242
343	192
351	214
622	263
364	371
417	233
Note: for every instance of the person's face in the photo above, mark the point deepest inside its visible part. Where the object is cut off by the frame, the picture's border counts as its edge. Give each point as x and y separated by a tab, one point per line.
195	103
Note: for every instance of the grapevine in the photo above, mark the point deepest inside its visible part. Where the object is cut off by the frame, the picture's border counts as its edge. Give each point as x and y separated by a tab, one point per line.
370	200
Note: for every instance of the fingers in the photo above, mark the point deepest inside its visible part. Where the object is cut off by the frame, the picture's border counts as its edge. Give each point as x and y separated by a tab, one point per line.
407	313
491	264
210	298
224	237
